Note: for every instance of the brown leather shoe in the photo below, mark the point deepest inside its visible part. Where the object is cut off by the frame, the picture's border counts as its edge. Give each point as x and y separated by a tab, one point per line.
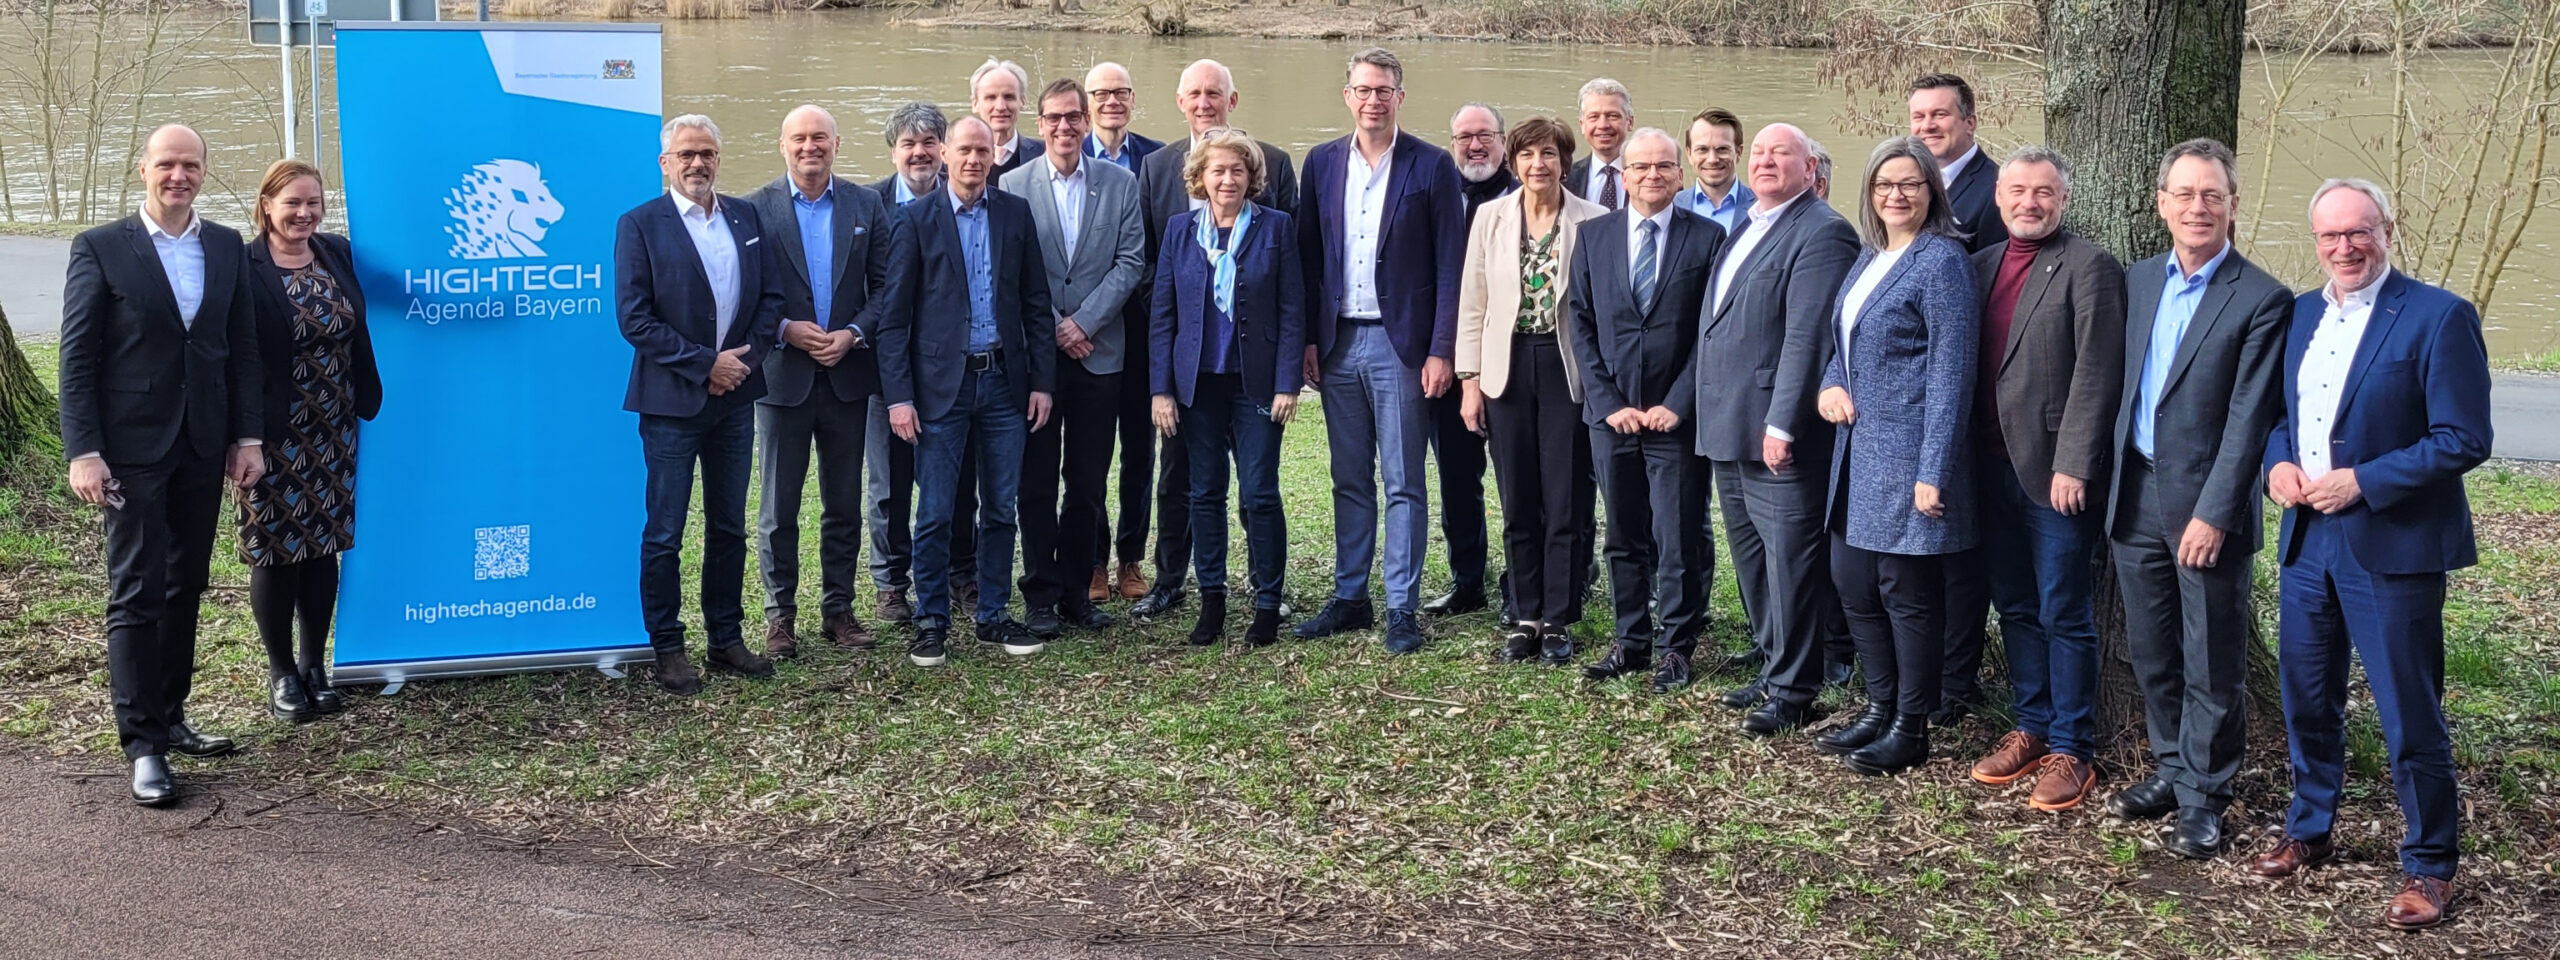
894	607
2292	856
1133	584
675	672
848	632
2420	904
1101	588
2065	780
781	638
2017	755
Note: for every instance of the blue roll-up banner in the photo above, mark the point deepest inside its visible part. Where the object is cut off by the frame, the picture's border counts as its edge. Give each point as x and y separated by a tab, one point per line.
498	495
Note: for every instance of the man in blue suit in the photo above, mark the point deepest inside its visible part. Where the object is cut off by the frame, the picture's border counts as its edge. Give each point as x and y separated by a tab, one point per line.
698	300
2386	394
1382	228
968	358
1115	100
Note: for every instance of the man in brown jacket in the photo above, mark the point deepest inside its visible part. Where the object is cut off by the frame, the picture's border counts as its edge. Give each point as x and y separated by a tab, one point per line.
2052	375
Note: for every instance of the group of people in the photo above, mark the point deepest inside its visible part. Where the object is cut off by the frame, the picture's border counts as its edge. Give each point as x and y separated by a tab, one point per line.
1909	418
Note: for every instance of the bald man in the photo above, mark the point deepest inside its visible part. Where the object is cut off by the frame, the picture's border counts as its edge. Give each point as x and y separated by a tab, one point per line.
1115	103
160	398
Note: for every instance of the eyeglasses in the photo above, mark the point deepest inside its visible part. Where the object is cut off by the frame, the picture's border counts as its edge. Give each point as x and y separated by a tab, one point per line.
2361	237
2212	199
1647	169
694	156
1478	138
1912	188
1372	93
1112	93
1054	119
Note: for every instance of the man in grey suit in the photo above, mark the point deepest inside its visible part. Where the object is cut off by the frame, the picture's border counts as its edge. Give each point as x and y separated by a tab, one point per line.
819	384
2204	348
1093	247
1763	336
1207	94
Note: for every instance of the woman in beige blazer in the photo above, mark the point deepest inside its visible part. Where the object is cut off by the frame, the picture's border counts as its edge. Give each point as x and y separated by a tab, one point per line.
1515	366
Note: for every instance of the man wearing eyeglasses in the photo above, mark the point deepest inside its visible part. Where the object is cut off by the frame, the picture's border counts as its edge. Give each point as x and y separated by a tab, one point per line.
2386	392
1115	103
1093	250
2204	333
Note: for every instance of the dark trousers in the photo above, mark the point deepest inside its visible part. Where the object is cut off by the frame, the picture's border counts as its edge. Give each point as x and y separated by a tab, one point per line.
722	440
1137	461
985	420
1223	422
889	506
1541	449
1075	445
1782	561
1173	511
2334	609
837	428
1897	617
1460	455
1966	577
2038	570
1655	489
2187	631
159	554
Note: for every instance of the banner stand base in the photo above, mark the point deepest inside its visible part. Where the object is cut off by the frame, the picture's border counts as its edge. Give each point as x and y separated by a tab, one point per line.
394	676
393	688
610	671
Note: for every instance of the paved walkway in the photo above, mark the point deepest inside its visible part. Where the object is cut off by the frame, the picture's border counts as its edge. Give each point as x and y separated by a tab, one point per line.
2527	413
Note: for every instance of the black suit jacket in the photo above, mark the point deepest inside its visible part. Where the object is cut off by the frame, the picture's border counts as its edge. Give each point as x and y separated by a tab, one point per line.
2222	398
1761	354
275	326
1576	179
924	338
667	311
135	380
1633	357
888	190
1970	199
858	268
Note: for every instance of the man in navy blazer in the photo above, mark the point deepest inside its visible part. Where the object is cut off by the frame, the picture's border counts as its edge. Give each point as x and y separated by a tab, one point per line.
968	361
1382	228
1115	100
1942	117
2386	394
698	300
914	136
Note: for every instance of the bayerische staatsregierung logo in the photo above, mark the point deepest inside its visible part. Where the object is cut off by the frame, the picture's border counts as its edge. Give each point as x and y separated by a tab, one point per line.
502	211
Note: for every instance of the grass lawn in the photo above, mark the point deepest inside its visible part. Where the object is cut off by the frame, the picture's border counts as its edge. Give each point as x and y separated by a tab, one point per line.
1325	799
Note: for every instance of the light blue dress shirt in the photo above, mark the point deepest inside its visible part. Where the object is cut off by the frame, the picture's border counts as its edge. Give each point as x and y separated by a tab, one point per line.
818	246
1128	159
976	262
1727	214
2180	295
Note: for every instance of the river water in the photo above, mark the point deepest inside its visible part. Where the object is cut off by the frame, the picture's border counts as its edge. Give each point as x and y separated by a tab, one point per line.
746	73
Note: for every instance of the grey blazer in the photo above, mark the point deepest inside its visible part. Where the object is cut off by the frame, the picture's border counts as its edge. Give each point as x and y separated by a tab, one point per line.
1759	358
2220	401
2061	371
1908	366
1092	282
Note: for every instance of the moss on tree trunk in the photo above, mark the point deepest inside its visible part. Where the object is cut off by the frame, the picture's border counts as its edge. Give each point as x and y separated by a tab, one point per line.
30	424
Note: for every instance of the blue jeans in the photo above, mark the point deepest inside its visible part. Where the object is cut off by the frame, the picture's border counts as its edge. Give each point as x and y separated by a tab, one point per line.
1374	413
987	421
2039	565
1223	421
723	439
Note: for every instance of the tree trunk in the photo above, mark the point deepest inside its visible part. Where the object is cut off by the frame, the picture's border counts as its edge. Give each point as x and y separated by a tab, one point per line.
30	427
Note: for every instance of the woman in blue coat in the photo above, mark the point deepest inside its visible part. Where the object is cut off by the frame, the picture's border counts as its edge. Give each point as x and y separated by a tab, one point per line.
1227	339
1900	385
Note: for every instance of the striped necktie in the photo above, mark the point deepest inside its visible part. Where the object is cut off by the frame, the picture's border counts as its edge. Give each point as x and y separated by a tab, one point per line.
1645	274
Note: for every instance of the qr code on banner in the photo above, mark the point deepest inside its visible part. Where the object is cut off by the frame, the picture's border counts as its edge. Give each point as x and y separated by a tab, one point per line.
503	552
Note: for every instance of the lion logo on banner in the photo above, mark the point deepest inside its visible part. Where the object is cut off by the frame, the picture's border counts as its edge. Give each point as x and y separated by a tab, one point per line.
501	209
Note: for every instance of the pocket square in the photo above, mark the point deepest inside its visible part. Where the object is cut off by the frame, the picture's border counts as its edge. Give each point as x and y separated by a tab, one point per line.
857	231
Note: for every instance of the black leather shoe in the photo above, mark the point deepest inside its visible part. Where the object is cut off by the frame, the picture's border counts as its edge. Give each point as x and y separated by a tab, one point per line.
2149	800
1045	624
1161	599
1213	618
1082	616
930	647
287	699
1748	663
186	740
2198	835
1520	643
1464	598
1555	646
1746	696
1622	659
1836	675
1265	630
1671	673
737	661
1338	616
1404	633
1903	746
1870	724
1775	717
152	784
324	695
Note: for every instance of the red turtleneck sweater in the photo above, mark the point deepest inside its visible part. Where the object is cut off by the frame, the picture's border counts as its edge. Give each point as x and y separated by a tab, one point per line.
1997	313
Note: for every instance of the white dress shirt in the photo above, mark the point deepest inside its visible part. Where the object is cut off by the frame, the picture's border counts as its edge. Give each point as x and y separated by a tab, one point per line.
1004	154
1856	299
1364	205
182	258
1602	173
1067	191
1757	225
2323	376
719	252
1947	174
1661	221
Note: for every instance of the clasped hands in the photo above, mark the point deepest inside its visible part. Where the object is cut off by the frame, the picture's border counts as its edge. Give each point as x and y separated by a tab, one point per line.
823	345
2336	490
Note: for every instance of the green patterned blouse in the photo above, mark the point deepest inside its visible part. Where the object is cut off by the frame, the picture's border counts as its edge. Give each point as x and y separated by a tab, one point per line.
1541	276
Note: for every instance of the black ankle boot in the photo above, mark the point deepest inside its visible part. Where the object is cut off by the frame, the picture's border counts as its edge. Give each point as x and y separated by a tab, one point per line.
1869	724
1213	618
1266	628
1901	748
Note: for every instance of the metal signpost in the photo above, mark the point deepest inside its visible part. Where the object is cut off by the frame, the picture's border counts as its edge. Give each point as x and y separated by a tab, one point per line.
312	24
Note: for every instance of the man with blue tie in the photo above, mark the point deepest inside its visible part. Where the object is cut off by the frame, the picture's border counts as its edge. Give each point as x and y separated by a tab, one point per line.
1714	145
2386	391
2204	334
1381	228
695	293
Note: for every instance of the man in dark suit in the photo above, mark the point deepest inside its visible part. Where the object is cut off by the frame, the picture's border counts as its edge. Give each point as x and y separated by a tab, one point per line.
1762	340
967	362
914	134
2051	374
1476	146
161	389
1608	113
1381	227
1207	95
695	289
2386	392
1942	117
834	253
1639	276
1115	99
2204	333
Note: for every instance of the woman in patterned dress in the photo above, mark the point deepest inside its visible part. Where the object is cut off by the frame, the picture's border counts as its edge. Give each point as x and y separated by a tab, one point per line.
1521	387
320	380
